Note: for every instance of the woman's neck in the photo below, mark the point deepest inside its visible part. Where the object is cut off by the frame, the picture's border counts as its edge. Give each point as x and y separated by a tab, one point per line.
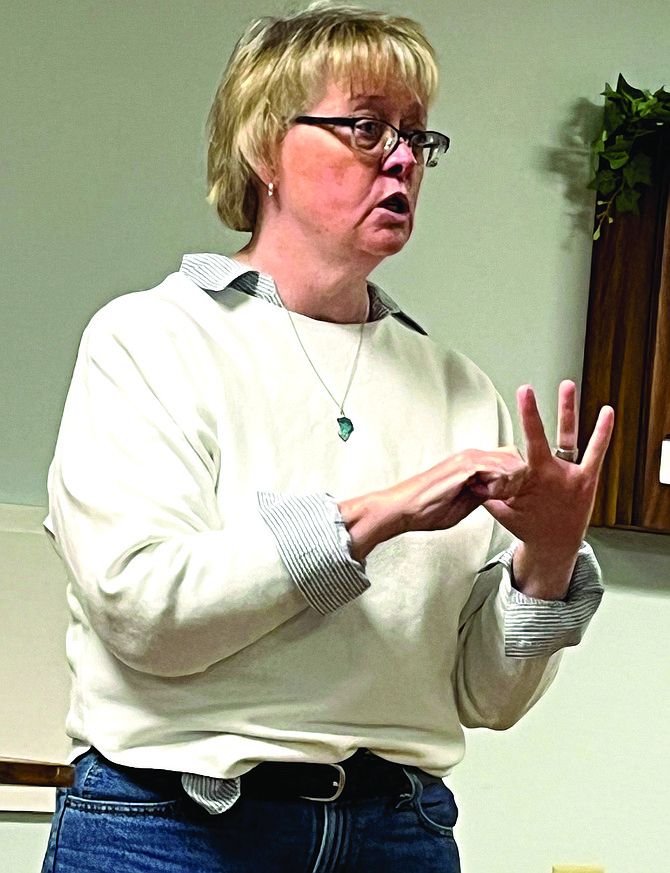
308	282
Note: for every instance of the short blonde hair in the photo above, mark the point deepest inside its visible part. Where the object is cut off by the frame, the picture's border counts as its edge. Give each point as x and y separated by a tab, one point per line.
278	66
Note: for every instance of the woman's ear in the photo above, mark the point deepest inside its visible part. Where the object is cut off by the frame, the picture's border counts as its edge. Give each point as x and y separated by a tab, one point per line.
266	181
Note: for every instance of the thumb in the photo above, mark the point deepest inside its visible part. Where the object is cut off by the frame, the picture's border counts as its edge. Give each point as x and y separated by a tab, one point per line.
489	485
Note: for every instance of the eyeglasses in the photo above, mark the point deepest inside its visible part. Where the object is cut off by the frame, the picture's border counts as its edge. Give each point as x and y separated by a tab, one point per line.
372	136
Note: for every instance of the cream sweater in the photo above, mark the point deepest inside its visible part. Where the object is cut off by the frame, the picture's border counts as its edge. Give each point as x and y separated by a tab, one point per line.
191	645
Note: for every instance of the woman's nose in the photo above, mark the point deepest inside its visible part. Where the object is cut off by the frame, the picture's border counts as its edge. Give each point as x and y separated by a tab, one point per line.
401	161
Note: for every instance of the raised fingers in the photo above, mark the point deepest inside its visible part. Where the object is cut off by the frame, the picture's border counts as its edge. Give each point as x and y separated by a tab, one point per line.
537	447
600	439
568	423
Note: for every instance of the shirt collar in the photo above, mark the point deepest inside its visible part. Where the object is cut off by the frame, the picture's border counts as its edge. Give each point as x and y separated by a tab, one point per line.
213	273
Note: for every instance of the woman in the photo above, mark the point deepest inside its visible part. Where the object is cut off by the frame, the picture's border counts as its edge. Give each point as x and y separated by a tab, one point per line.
284	510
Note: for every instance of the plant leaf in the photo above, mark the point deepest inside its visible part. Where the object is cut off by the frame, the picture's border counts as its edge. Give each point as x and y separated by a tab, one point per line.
638	171
623	168
605	181
627	90
613	118
627	201
616	158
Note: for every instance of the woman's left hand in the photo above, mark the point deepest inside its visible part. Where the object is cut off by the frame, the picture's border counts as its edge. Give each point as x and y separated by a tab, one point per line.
550	512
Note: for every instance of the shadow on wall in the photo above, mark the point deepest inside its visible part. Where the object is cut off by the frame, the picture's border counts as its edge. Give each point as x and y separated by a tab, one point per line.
571	161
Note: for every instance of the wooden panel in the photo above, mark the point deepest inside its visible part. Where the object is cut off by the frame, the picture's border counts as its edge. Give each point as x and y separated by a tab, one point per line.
615	353
652	503
626	359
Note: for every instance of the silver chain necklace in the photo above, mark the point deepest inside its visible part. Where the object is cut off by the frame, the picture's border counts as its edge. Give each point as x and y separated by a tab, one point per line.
346	426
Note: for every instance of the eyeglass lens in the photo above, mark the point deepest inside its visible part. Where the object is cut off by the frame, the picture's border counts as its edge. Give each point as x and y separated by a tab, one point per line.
370	135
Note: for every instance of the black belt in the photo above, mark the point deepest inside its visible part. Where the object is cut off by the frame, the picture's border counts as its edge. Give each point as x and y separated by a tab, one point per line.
364	775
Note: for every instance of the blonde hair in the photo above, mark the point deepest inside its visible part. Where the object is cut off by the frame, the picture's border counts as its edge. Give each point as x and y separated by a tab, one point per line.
278	66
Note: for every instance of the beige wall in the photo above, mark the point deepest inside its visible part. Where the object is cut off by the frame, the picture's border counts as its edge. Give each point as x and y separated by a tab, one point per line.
101	150
34	676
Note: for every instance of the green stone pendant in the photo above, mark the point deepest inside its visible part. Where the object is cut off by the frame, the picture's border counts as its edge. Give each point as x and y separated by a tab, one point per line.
346	427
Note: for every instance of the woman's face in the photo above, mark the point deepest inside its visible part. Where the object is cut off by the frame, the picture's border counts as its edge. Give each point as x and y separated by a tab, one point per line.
332	194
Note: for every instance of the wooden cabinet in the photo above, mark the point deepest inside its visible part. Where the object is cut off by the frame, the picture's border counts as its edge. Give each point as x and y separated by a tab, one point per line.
627	355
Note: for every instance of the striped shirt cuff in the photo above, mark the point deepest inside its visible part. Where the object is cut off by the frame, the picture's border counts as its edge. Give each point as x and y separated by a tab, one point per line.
313	542
538	628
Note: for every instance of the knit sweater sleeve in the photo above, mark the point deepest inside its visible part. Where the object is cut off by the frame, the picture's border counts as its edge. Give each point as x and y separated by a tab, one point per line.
166	585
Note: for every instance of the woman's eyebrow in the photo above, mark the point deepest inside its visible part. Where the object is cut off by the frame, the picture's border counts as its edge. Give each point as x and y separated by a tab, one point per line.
363	95
373	100
415	111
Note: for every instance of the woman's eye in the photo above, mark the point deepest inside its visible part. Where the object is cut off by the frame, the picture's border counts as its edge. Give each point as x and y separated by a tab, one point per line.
369	128
368	131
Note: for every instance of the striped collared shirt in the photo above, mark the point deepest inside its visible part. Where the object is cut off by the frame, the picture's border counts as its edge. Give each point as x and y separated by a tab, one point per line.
215	273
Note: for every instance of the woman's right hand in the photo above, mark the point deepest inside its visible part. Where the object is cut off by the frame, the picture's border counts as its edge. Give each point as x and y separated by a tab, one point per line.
436	499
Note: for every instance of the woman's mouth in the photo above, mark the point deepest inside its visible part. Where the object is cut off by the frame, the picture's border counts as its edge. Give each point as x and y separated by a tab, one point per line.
397	203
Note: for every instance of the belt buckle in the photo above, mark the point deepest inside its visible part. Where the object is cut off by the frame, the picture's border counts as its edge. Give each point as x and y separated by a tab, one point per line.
339	786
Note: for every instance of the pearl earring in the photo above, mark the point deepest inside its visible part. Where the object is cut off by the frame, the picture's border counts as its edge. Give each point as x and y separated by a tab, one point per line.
271	189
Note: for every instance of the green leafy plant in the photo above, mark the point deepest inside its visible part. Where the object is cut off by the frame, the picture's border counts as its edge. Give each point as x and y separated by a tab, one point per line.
624	167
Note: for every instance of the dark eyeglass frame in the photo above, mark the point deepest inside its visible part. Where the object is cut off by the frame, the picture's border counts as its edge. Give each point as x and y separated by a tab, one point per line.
411	137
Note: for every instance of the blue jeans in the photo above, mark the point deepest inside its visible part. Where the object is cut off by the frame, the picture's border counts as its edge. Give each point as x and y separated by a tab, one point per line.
124	820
